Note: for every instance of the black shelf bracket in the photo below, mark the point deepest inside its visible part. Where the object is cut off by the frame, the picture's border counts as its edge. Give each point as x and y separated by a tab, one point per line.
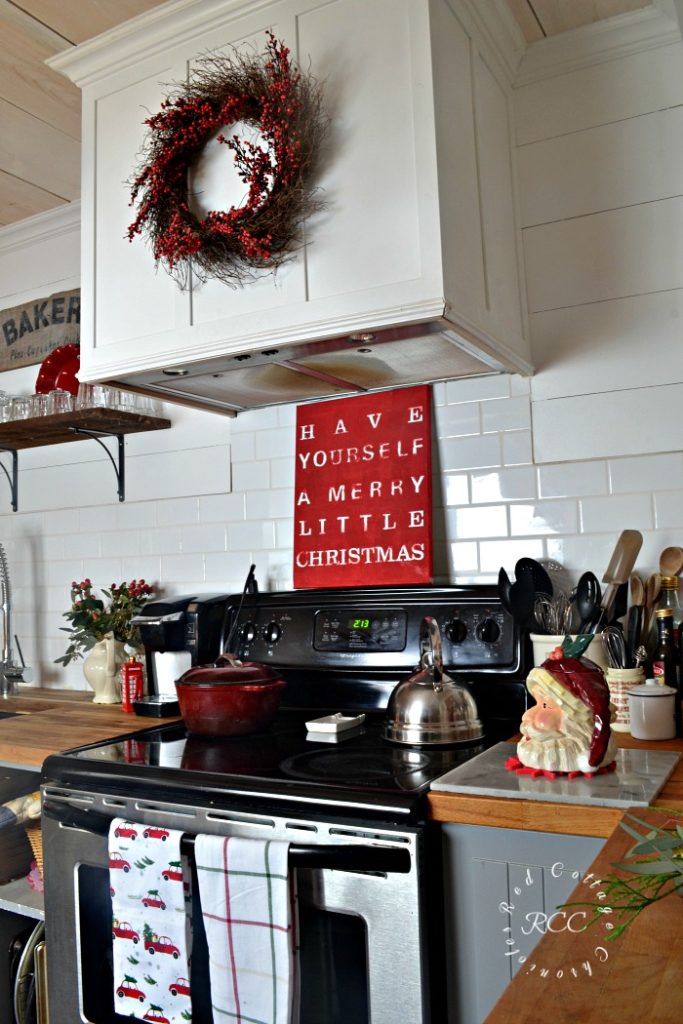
119	470
12	480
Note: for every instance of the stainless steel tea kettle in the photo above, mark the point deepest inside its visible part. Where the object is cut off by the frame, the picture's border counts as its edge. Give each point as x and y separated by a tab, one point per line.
429	707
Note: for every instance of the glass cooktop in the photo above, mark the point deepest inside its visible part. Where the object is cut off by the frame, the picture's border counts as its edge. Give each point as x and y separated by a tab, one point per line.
358	768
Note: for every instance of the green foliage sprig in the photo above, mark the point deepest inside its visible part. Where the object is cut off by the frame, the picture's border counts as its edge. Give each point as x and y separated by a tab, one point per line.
657	872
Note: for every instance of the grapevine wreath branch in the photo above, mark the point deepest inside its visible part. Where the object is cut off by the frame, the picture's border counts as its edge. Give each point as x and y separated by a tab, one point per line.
270	93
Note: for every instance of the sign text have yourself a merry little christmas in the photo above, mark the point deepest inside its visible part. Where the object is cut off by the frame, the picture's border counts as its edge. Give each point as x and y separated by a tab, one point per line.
363	490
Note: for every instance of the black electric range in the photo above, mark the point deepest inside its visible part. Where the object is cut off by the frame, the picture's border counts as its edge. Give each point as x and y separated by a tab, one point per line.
339	651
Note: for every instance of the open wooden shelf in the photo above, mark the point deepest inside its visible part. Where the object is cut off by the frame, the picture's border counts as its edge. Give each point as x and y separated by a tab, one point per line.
58	428
79	425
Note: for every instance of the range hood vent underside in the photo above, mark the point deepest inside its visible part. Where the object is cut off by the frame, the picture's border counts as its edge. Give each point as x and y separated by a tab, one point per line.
316	371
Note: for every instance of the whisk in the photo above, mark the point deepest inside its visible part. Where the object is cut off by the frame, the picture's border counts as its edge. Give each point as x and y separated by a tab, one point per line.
553	614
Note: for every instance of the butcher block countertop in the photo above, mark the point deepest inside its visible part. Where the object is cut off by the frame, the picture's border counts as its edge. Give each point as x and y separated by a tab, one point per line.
53	720
584	976
538	816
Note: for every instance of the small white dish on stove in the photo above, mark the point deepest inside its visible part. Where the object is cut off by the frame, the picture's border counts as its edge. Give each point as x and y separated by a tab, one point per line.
335	723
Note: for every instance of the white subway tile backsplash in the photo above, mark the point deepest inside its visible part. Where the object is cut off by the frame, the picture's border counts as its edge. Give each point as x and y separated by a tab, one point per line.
251	476
83	545
572	480
459	420
176	511
517	448
217	508
184	568
482	521
646	473
274	444
123	543
513	484
132	514
206	538
519	385
668	511
544	517
507	414
616	513
284	534
270	504
226	571
243	448
161	540
282	473
463	556
496	553
455	489
478	389
455	453
250	536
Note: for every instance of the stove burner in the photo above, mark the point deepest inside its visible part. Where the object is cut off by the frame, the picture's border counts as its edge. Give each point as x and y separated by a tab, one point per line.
357	768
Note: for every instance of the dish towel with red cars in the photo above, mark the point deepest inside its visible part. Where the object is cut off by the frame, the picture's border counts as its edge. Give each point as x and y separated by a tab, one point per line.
248	911
150	892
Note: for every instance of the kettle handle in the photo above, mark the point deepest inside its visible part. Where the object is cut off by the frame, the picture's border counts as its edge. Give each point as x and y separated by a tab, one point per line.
430	645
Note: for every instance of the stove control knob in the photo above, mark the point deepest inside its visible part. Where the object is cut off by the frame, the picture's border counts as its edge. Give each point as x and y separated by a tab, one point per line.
456	631
248	632
272	633
488	631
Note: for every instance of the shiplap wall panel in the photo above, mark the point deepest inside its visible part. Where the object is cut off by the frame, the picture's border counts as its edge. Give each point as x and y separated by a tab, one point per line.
626	343
608	255
48	158
620	164
615	423
610	91
600	163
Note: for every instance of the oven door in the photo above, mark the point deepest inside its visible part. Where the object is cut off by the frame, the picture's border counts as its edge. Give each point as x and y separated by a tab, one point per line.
361	911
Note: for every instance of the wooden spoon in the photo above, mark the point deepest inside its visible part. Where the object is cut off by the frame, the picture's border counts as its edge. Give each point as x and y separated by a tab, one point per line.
671	561
636	588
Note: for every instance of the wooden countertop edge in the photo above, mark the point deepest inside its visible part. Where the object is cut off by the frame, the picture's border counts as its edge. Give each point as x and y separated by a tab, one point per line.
543	816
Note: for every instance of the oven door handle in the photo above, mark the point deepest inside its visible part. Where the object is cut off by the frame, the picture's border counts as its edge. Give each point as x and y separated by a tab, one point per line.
342	857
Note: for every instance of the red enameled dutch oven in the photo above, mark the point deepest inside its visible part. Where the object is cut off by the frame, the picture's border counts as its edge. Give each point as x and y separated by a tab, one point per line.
229	698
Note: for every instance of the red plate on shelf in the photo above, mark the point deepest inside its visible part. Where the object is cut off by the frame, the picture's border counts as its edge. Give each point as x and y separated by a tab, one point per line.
59	370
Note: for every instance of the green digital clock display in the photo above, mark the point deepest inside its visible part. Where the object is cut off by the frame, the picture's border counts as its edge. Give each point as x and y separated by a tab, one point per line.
359	623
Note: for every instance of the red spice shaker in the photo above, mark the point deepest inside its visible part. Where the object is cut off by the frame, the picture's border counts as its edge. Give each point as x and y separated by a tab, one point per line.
131	683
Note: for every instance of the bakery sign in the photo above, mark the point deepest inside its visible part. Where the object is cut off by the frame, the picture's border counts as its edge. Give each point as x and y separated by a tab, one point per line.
363	490
32	330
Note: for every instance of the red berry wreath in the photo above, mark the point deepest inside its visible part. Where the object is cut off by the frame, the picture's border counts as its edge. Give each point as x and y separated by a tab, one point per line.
261	233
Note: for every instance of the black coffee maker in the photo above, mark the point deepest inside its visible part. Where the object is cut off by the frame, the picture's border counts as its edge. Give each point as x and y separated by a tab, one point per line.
177	633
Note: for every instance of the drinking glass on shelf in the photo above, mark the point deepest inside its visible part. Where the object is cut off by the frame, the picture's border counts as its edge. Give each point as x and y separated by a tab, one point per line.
38	405
84	398
4	407
20	407
59	401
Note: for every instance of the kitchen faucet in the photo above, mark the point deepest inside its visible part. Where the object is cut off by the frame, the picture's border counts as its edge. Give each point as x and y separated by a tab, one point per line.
10	673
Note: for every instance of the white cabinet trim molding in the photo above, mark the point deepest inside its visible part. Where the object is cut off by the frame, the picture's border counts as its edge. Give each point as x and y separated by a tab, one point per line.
619	36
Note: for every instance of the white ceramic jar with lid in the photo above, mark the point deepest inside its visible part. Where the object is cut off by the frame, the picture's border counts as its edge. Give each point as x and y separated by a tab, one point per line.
653	711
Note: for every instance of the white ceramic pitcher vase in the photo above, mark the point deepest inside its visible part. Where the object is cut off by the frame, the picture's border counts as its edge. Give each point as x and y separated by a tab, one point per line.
102	669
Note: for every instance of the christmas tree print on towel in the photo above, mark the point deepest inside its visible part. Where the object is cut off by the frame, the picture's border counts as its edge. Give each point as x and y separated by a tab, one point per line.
150	926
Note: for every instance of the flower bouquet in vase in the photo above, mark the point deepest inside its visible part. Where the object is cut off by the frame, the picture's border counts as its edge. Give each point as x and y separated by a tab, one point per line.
99	631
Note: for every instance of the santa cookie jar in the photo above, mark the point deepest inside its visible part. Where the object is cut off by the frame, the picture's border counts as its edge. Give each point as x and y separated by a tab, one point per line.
568	729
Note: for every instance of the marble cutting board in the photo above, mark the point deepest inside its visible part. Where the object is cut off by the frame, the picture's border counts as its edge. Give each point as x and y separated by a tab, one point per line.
638	778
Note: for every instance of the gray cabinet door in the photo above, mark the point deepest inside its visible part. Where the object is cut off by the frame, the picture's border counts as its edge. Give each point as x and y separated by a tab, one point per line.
501	889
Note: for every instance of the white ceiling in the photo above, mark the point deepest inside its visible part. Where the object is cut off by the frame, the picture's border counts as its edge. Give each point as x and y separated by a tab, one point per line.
40	126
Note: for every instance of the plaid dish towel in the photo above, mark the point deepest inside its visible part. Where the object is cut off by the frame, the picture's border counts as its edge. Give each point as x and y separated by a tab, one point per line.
151	927
247	909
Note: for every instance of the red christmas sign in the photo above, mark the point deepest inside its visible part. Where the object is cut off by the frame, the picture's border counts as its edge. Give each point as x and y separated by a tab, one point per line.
363	491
